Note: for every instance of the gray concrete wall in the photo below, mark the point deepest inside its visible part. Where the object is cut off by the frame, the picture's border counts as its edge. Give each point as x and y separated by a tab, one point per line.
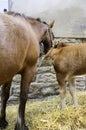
69	15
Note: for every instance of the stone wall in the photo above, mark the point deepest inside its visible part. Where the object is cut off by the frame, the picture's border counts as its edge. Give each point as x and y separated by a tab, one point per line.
44	82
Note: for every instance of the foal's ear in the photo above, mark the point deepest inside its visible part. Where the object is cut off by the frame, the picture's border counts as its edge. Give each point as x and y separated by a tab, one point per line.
51	24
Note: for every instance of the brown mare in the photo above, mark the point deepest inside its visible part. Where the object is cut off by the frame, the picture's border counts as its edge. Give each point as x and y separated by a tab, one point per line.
20	39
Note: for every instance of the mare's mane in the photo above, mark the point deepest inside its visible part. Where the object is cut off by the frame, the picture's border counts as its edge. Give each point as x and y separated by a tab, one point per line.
25	17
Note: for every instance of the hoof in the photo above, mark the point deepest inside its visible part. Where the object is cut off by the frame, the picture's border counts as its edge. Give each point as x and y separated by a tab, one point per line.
24	128
3	123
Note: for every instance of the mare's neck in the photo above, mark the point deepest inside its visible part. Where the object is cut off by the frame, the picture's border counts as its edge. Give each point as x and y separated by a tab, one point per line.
38	29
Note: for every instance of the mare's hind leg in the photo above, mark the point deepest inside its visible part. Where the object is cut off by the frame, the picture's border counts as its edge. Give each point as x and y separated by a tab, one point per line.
72	88
4	98
25	82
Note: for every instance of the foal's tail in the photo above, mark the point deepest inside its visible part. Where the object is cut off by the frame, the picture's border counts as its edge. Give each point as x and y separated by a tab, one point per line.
48	55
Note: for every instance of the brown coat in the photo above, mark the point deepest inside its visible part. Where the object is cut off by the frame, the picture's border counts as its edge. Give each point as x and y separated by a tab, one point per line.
20	39
68	61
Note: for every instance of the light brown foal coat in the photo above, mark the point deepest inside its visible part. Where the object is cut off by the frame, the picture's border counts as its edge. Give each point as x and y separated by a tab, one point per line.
68	61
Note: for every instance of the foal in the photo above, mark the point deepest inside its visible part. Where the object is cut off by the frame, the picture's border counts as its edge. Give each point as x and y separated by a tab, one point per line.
68	61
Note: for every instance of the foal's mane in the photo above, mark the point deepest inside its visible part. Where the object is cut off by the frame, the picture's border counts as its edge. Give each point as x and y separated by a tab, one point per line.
62	44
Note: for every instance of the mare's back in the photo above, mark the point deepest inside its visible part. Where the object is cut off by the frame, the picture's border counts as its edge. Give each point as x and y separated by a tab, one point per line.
12	27
15	35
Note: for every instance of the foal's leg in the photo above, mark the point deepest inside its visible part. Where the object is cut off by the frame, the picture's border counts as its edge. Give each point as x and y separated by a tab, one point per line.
25	82
73	89
62	88
4	98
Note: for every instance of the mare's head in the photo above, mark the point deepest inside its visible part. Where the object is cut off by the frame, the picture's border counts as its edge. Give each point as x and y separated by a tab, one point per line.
48	36
41	28
43	32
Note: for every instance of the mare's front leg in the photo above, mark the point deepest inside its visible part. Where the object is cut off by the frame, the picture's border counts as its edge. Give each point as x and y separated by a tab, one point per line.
4	97
25	82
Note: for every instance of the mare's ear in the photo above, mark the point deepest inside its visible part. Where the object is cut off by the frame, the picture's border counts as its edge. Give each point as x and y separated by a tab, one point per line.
51	24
